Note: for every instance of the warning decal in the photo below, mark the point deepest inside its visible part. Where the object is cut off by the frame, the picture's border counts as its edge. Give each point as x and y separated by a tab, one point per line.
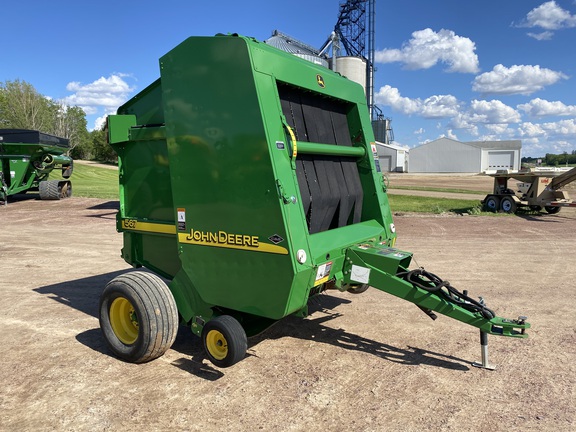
323	273
181	219
376	158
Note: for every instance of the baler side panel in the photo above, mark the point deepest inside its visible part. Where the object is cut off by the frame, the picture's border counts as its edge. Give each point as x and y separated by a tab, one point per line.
145	181
146	105
222	178
146	205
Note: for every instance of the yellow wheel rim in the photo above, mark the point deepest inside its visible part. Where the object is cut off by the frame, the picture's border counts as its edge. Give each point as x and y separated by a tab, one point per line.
216	344
124	321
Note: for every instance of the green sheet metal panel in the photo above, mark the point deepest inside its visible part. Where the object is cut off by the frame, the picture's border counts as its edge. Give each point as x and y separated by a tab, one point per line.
223	180
146	105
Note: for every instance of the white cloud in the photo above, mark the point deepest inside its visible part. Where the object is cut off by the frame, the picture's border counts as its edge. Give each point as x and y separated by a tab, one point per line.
494	115
499	129
562	146
390	96
542	108
438	106
479	112
552	132
492	112
518	79
534	148
99	122
565	128
399	144
546	35
488	138
419	131
549	16
450	134
530	130
426	48
108	93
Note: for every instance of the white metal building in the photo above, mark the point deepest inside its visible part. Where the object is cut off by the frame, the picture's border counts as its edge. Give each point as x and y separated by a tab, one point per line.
393	158
446	155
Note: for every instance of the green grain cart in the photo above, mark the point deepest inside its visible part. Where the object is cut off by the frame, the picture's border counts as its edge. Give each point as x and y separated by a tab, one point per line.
249	180
27	157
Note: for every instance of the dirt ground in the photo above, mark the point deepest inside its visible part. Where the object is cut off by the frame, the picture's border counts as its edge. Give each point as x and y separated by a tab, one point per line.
367	362
473	182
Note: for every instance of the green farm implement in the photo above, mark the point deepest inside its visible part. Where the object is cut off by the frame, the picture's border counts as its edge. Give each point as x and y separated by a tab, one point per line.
249	183
27	158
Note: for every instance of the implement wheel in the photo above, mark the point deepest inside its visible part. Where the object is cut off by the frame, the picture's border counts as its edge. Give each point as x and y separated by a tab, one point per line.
224	340
552	210
358	289
508	205
49	190
55	189
492	203
138	316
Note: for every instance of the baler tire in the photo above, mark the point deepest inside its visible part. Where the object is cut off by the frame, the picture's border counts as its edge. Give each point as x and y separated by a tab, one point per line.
358	289
552	209
138	316
224	340
49	190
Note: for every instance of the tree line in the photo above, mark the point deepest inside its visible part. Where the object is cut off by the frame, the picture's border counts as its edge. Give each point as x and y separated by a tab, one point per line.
23	107
553	159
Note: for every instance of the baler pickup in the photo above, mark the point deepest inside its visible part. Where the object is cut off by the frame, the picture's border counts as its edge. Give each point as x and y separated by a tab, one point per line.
249	179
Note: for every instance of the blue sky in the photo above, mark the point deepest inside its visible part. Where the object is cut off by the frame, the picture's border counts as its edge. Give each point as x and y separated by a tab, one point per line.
471	71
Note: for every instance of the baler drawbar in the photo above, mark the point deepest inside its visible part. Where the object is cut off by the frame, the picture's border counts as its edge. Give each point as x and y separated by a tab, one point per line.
249	184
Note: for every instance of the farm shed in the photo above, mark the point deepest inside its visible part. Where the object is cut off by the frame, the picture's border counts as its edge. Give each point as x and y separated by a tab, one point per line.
446	155
393	158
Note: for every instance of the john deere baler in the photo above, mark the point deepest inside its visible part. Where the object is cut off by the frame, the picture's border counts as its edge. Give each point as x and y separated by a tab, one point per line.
249	181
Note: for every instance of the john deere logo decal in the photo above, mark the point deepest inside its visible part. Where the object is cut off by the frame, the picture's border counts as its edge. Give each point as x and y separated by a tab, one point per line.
320	81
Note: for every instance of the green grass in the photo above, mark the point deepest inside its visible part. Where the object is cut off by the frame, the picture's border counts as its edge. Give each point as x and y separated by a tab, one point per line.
406	203
92	182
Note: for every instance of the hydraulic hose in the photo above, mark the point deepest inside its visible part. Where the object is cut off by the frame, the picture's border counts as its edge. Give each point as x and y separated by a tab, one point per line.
427	281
